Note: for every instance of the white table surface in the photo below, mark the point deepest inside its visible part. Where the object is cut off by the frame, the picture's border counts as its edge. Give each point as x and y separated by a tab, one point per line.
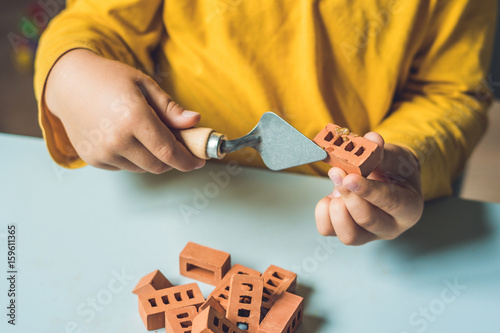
85	237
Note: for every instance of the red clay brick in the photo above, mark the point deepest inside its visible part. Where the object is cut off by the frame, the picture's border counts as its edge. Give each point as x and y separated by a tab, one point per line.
212	321
353	154
180	320
277	280
151	282
213	303
221	292
285	315
245	301
152	306
203	263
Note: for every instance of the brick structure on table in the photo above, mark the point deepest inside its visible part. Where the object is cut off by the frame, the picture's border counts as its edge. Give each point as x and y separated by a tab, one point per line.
284	316
180	320
212	321
245	301
351	153
153	305
221	291
203	263
276	281
151	282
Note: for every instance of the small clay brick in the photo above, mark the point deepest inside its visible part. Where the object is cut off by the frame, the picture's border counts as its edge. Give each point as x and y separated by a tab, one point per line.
212	321
245	301
152	306
276	281
151	282
204	264
213	303
351	153
284	316
221	291
180	320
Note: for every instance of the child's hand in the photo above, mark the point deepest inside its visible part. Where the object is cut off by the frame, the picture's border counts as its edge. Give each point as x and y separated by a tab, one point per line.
125	112
381	206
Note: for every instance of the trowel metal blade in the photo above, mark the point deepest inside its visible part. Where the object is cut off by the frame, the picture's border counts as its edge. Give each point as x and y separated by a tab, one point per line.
282	146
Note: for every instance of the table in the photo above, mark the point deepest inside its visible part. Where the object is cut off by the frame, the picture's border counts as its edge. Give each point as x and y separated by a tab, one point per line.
85	237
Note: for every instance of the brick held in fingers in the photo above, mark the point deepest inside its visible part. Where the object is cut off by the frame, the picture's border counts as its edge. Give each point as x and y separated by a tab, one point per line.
153	305
151	282
221	291
284	316
180	320
351	153
245	301
277	280
204	264
211	321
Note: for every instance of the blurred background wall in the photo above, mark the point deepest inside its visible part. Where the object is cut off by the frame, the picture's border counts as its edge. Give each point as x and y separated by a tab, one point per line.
18	110
495	66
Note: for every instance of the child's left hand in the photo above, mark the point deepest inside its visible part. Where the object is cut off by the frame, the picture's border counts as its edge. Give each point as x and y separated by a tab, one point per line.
381	206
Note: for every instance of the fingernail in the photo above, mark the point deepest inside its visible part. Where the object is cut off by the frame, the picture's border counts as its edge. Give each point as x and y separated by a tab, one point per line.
189	114
353	186
200	165
336	178
330	195
336	193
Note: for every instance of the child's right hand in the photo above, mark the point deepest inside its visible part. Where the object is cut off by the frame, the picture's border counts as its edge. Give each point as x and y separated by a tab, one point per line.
124	107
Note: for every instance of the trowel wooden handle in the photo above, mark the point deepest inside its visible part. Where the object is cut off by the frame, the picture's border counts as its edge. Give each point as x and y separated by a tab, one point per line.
202	142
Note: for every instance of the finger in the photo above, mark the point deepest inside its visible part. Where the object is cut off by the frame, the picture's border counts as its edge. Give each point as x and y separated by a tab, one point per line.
158	139
171	114
346	229
400	167
364	213
105	166
371	218
123	163
99	164
322	215
394	200
144	159
375	137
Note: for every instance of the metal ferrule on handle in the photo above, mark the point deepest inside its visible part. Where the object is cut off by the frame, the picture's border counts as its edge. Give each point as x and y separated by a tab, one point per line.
214	145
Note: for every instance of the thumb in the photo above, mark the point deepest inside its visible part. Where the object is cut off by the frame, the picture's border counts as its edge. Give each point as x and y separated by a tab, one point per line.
379	140
171	114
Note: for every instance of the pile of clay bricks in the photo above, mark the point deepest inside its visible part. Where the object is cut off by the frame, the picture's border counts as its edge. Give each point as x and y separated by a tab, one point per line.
244	300
351	153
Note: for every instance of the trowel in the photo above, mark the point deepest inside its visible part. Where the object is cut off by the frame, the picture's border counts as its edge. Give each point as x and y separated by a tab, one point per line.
279	144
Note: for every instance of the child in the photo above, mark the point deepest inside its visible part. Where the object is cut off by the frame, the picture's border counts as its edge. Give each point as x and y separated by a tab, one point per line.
409	70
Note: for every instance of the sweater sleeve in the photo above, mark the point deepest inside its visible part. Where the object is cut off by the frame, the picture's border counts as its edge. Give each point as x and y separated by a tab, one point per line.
440	112
125	30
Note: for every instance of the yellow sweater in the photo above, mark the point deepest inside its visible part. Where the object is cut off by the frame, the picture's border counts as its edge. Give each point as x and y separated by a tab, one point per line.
411	70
